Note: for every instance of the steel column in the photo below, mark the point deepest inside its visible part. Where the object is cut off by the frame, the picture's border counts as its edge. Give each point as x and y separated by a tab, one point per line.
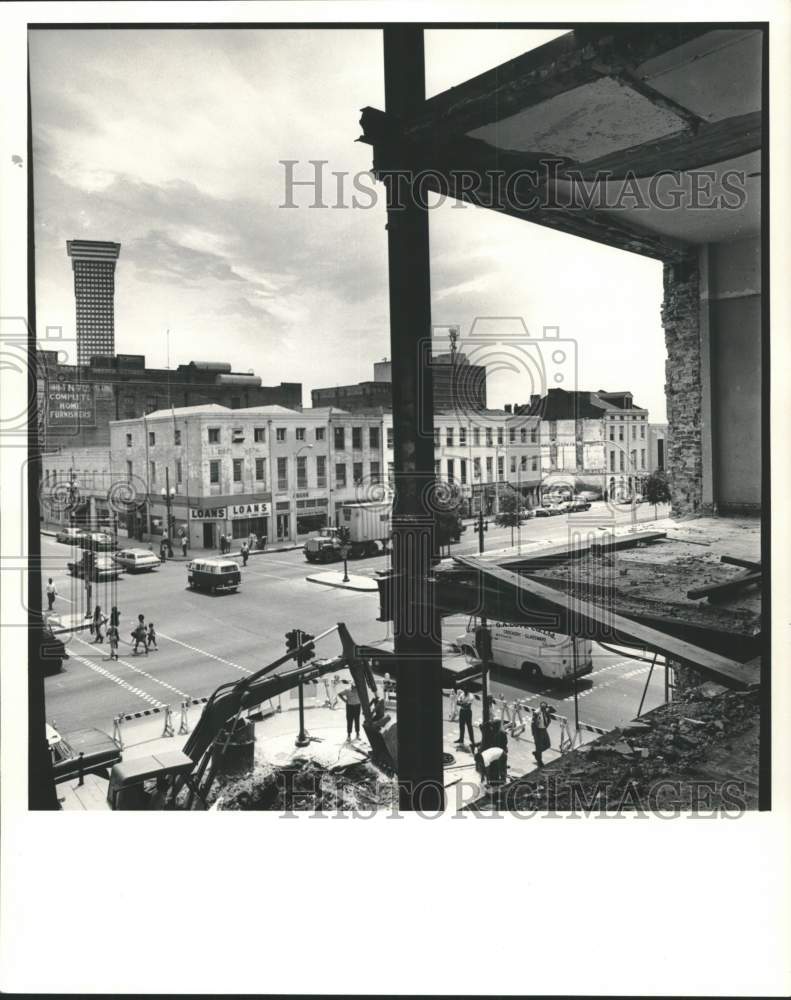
416	622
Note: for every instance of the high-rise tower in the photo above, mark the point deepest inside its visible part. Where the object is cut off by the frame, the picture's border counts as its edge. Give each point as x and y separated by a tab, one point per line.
93	263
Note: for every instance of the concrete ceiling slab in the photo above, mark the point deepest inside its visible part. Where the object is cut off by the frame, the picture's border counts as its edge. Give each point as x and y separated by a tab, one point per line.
716	76
584	123
697	225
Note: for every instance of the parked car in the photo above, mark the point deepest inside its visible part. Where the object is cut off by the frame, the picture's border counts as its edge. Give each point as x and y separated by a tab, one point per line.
136	560
70	536
99	541
213	574
578	503
53	651
105	568
542	512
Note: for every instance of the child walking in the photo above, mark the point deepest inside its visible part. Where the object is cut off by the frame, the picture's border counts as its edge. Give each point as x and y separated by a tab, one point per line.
151	638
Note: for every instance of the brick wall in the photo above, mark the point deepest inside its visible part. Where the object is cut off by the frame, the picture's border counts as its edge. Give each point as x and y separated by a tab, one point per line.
681	320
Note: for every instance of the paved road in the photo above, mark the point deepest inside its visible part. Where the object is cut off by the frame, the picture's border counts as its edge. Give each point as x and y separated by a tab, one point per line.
206	640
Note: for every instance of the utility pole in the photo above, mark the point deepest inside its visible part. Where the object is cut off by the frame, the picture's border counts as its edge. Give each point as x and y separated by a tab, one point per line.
417	631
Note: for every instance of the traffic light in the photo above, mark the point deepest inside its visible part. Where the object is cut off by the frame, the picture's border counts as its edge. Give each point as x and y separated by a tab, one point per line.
292	640
307	654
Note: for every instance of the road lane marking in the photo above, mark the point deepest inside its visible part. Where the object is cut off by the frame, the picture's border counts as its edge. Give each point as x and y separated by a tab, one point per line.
117	680
145	673
203	652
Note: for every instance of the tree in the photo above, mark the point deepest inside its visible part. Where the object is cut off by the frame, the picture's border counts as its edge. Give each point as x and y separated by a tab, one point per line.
510	511
656	489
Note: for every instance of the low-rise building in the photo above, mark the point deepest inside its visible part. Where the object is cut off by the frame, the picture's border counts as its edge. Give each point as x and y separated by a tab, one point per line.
594	441
277	472
482	453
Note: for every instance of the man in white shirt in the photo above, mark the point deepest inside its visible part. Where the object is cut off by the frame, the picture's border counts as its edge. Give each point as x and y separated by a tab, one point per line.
51	594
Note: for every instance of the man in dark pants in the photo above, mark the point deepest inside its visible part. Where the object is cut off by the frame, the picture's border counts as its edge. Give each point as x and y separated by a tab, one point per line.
539	728
353	708
464	704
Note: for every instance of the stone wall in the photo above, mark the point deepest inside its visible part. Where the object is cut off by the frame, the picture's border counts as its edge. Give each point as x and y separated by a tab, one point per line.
681	320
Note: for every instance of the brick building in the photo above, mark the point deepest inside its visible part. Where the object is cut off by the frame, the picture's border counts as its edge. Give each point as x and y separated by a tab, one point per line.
77	402
456	384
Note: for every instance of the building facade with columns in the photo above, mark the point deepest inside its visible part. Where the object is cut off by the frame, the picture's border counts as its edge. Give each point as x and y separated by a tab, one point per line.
278	472
482	453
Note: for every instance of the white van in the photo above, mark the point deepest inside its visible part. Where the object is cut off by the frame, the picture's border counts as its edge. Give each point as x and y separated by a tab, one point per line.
536	652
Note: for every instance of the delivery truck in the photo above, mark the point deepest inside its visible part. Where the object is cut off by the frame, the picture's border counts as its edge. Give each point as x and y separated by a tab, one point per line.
369	526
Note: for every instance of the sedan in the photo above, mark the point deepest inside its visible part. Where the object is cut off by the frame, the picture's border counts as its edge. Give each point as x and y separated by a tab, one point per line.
105	568
99	541
136	560
70	536
542	512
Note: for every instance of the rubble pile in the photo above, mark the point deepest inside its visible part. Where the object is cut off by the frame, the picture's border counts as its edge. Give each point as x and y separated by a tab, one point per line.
306	785
699	750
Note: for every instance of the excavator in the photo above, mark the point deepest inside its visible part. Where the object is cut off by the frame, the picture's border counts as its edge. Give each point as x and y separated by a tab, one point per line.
156	781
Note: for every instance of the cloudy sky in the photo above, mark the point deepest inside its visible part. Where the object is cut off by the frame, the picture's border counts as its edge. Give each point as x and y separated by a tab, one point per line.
169	142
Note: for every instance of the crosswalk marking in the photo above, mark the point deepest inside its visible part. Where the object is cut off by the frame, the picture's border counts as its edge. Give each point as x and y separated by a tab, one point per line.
144	673
118	680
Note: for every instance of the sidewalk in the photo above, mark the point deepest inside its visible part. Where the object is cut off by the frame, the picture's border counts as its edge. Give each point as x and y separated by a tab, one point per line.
334	578
275	736
194	552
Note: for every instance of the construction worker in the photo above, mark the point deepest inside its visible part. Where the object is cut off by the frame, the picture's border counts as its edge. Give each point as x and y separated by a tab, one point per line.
464	705
51	594
353	708
539	729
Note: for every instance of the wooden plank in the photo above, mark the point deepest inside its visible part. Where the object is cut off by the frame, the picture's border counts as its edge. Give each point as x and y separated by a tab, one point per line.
727	587
744	563
719	668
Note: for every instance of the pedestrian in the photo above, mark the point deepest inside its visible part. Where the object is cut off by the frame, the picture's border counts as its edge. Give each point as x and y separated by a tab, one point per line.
115	617
96	624
538	727
222	544
228	543
139	634
245	553
51	594
112	638
163	556
166	540
488	763
184	546
352	699
151	638
253	541
464	705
